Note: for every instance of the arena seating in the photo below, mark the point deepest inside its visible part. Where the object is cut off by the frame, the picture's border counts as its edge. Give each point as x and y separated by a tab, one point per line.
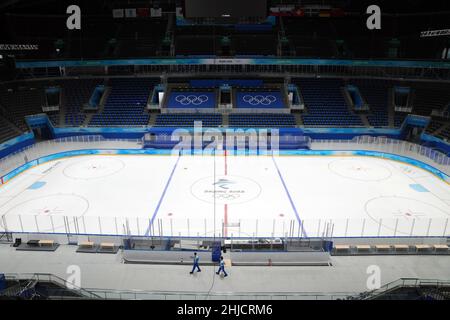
75	94
376	94
325	103
445	134
126	103
433	126
22	100
7	131
196	45
138	38
261	120
298	32
308	37
265	45
54	118
187	120
399	118
429	96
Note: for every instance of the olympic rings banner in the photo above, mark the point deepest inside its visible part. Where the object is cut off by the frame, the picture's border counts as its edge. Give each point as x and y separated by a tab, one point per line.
192	100
259	100
233	61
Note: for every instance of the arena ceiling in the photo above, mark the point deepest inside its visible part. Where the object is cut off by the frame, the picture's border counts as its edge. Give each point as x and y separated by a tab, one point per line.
104	6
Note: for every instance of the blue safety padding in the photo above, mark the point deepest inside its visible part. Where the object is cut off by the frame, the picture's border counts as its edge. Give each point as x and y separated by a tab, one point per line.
37	185
418	188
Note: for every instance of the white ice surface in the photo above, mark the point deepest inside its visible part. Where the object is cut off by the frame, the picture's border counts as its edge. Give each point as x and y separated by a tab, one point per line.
255	196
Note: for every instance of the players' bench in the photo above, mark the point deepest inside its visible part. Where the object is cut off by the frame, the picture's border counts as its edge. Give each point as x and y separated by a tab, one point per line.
401	247
440	247
422	247
383	247
363	247
107	245
48	243
86	244
342	247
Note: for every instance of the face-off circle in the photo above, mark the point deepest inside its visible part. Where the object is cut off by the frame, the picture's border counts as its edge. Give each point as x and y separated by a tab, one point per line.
226	189
399	213
358	169
93	168
47	211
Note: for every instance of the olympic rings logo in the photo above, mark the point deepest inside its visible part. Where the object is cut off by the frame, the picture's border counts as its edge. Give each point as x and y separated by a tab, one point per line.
191	99
222	196
259	99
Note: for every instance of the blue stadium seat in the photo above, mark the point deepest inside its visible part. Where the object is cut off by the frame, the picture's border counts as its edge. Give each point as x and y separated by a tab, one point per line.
325	103
126	103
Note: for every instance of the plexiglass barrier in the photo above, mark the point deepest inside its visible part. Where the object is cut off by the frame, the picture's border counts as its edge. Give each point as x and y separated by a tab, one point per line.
203	228
427	155
41	149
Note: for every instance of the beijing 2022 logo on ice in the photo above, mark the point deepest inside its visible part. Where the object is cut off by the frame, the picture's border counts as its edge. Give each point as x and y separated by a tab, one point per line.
226	189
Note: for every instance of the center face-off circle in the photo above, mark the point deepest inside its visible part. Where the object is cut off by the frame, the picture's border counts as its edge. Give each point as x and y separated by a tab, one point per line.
357	169
226	189
93	168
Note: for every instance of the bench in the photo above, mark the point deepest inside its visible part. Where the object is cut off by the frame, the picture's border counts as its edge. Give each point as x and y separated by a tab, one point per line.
33	243
107	245
401	247
362	247
440	247
422	247
49	243
383	247
86	244
341	247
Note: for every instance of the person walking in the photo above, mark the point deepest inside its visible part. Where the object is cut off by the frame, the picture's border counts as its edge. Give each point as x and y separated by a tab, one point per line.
196	265
222	267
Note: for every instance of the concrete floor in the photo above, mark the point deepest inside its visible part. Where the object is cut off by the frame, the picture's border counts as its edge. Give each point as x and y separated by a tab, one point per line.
105	271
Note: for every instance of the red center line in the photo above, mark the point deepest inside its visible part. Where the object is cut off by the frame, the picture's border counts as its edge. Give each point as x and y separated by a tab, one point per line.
225	209
225	221
226	164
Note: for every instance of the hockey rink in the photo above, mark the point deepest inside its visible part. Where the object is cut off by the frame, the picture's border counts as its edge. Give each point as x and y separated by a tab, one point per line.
238	196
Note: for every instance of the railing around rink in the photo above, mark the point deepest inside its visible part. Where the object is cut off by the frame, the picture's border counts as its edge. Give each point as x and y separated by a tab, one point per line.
251	229
427	155
44	148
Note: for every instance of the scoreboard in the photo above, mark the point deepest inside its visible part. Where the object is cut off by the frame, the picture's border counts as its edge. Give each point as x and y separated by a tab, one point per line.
225	9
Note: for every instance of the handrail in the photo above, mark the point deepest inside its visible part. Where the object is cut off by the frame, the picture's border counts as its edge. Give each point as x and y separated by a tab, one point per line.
404	282
95	293
136	294
52	278
108	294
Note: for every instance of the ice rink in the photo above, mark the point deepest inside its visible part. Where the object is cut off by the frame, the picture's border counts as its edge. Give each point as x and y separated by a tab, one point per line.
239	196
